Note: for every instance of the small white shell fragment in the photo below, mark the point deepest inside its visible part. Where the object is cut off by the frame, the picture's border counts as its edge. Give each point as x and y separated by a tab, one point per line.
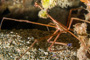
11	32
46	53
28	38
27	42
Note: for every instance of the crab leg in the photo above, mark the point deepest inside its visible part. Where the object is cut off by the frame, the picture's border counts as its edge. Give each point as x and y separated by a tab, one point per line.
78	20
52	35
71	13
24	21
59	43
27	49
54	42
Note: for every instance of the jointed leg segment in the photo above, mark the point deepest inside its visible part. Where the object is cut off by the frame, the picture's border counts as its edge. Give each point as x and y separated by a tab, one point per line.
53	42
52	36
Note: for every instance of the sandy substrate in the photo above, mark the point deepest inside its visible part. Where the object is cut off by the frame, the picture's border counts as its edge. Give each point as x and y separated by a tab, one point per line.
13	43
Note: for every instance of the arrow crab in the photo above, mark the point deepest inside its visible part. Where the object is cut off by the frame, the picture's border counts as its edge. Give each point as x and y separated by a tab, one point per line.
60	28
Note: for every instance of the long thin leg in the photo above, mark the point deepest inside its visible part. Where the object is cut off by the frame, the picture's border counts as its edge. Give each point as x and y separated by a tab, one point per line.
53	42
27	49
60	43
52	35
70	14
24	21
78	20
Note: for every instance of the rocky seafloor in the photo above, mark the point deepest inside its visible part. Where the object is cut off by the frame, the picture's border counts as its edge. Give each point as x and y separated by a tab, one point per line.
13	43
